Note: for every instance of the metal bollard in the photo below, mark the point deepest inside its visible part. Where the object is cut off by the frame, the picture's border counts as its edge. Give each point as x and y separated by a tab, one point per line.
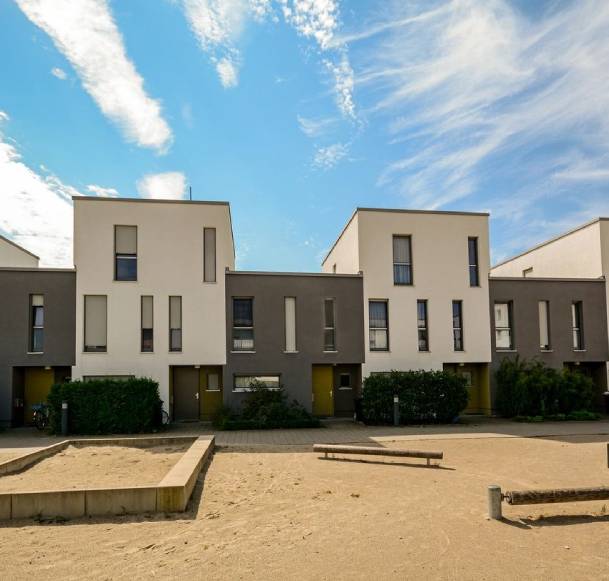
494	502
64	418
396	410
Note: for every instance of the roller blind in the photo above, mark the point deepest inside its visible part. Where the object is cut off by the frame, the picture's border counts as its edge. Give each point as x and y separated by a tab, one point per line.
209	248
175	312
147	312
401	249
290	323
37	300
95	320
125	239
544	335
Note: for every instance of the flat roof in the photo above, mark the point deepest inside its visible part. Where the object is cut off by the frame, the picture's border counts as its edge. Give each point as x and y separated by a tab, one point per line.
399	211
35	269
18	246
277	273
542	279
554	239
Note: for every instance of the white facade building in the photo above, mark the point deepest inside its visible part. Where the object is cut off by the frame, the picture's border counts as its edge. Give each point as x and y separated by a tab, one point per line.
150	291
14	256
426	297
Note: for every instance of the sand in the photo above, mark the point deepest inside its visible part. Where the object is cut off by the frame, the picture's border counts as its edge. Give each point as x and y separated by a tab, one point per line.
77	467
286	514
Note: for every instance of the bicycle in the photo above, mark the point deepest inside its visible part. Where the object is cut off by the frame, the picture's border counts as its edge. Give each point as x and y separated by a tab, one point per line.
41	415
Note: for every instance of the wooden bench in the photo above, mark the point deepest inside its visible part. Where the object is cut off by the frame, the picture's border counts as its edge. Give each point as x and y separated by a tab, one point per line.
373	451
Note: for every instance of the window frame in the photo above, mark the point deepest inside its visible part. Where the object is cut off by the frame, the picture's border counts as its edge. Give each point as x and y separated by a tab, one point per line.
425	328
215	255
577	325
33	327
180	328
125	255
242	327
327	328
254	376
546	303
510	327
142	328
476	264
459	303
409	265
386	328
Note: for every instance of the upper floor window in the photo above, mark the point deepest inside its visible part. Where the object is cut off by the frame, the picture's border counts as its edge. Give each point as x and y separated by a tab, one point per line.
402	260
378	323
458	325
125	252
544	325
290	324
422	327
209	255
329	326
503	326
36	323
147	339
243	324
472	251
175	323
577	317
96	322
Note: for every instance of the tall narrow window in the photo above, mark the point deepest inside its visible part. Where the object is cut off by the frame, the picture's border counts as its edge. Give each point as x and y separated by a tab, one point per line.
96	323
378	323
402	260
577	317
175	323
329	326
37	323
243	324
544	325
472	251
125	253
503	326
209	254
422	328
147	345
290	324
458	325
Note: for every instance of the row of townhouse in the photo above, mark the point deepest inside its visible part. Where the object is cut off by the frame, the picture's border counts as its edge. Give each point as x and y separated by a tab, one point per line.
154	293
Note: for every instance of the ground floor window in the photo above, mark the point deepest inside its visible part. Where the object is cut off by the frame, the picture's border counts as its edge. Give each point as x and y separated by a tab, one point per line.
245	382
107	377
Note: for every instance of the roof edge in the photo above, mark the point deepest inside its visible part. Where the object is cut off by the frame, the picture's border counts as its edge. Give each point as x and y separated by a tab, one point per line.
35	269
600	279
278	273
149	200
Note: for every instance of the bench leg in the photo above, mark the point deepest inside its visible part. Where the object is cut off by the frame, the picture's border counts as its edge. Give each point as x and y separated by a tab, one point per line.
326	455
428	462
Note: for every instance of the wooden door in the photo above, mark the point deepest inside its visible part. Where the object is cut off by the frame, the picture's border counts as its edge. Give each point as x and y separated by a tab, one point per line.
323	390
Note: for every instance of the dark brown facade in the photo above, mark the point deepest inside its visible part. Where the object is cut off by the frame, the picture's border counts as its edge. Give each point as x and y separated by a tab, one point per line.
339	370
524	295
23	374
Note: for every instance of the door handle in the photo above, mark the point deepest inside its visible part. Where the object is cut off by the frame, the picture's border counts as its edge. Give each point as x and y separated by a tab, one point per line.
197	395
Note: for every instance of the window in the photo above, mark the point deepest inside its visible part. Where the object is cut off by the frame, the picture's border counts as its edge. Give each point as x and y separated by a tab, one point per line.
458	325
578	330
96	314
503	326
472	250
329	326
125	253
213	382
379	325
243	324
107	377
175	323
244	382
544	325
290	324
36	323
209	254
422	325
402	263
147	316
344	381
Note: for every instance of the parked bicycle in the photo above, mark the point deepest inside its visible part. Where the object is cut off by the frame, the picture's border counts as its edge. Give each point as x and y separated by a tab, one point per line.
41	415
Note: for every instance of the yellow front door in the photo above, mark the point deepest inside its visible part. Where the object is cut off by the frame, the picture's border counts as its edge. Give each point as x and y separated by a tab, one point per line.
38	382
323	390
210	387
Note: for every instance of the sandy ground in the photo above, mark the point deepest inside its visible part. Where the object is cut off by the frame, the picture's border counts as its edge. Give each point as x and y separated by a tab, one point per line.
286	514
96	466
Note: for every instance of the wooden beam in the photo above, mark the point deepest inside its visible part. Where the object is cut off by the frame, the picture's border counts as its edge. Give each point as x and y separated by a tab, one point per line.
556	495
372	451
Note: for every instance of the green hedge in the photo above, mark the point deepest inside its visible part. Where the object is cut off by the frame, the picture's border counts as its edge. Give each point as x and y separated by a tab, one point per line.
425	397
529	388
107	406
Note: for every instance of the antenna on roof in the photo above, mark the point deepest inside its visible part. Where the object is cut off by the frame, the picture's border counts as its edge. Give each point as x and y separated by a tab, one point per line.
190	192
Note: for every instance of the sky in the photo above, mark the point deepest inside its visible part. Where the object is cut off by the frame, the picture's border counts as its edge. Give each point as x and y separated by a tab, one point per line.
299	111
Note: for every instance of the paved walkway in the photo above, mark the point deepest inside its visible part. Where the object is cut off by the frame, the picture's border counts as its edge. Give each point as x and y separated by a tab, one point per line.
22	440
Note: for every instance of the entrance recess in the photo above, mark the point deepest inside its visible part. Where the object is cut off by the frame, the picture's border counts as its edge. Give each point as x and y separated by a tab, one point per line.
323	390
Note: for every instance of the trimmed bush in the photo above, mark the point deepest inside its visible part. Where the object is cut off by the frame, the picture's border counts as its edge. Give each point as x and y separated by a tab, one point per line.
107	406
426	397
528	388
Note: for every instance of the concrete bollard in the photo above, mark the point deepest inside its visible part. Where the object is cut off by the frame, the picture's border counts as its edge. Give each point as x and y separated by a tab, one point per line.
396	410
64	418
494	502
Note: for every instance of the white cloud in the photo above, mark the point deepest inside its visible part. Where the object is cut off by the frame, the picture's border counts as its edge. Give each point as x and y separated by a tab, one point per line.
102	192
317	19
59	73
328	157
169	185
4	116
86	34
36	210
227	71
343	84
315	127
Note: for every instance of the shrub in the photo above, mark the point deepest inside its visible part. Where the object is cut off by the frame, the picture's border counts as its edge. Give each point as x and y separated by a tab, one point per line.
529	388
107	406
425	397
265	409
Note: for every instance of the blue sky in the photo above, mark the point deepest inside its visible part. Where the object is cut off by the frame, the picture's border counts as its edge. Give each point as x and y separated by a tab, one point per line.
297	111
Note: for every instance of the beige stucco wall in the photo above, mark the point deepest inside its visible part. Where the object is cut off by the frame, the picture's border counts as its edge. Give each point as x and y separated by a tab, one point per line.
12	256
345	253
170	262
